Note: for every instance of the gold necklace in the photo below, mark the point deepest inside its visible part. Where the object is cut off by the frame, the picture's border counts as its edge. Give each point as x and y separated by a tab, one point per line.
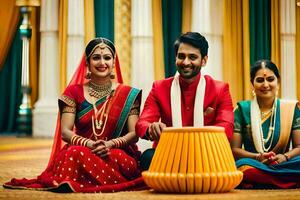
99	91
266	113
99	118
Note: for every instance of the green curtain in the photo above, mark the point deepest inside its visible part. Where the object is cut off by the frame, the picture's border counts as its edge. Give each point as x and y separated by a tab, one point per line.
260	30
10	86
104	18
172	22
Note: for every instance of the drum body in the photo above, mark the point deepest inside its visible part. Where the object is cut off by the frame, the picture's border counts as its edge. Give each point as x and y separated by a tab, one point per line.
193	160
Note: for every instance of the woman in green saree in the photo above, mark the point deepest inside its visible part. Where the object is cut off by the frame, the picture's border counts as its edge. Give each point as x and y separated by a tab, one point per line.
266	141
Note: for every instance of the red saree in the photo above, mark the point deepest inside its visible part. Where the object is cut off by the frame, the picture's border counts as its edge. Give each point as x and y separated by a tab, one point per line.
76	168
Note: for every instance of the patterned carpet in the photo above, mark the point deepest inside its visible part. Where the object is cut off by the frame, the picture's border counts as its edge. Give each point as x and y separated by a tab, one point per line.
27	157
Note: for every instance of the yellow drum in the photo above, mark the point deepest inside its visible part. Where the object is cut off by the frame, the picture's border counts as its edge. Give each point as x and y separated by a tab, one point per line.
193	160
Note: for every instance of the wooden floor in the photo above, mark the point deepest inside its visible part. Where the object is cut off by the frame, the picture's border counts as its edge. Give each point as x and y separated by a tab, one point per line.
26	157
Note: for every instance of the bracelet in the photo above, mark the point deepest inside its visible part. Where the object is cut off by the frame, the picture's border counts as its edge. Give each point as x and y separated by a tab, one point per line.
286	157
78	140
119	142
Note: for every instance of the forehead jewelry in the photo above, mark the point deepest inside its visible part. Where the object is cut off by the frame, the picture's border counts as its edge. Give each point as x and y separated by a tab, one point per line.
263	66
102	46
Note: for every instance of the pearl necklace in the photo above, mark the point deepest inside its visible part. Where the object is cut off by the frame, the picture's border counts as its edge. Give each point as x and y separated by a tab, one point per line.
270	135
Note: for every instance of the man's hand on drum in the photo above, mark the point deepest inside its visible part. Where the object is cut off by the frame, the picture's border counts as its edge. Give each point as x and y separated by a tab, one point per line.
154	130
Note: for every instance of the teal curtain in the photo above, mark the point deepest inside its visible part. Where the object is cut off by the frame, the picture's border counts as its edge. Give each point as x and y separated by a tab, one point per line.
10	87
104	18
172	20
260	30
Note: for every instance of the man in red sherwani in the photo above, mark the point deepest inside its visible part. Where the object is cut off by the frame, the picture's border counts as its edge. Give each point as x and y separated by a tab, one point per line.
204	101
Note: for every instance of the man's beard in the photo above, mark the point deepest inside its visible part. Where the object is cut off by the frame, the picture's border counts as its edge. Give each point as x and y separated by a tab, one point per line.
195	71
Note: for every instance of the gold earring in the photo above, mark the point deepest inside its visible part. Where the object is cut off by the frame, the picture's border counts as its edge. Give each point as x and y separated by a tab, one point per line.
112	75
253	93
88	75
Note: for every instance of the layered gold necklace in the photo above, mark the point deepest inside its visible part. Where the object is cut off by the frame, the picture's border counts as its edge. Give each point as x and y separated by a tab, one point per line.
99	91
99	118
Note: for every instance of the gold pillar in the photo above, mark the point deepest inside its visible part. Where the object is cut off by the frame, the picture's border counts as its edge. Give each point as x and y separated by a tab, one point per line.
24	119
186	16
158	44
123	37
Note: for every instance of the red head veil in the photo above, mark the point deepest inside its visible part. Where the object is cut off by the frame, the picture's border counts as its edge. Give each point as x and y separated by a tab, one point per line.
78	78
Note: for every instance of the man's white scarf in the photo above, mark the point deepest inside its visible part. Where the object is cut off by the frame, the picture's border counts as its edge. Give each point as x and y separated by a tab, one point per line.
176	102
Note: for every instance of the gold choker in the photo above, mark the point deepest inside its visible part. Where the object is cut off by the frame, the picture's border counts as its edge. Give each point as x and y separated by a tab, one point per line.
99	91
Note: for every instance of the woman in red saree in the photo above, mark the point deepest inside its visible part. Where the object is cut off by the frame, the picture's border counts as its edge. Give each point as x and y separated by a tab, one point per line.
97	120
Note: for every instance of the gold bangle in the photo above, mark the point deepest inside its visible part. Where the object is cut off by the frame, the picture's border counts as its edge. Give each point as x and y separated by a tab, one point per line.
115	143
79	141
286	157
73	139
85	142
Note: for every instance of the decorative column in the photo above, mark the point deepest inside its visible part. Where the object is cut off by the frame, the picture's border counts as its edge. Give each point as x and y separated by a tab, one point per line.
207	18
288	49
142	71
46	108
122	30
24	119
75	40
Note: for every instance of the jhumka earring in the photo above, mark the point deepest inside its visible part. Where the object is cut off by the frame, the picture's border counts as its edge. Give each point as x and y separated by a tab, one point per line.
253	93
112	75
88	75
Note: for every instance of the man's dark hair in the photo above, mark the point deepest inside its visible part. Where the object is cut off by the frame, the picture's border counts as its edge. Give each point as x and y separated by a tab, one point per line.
195	39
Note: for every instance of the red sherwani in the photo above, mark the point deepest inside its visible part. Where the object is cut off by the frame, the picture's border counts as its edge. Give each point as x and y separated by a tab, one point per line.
218	109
